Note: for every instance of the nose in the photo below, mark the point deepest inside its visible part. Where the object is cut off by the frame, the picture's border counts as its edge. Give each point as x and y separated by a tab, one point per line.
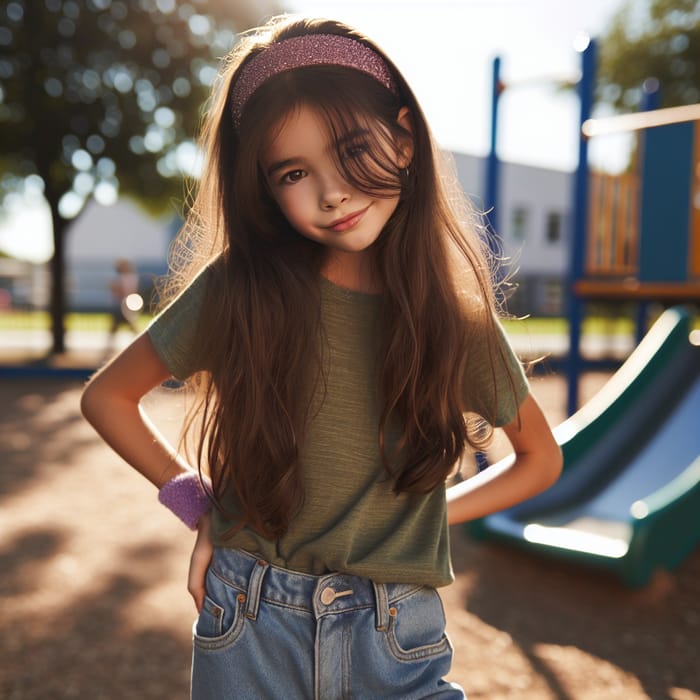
334	192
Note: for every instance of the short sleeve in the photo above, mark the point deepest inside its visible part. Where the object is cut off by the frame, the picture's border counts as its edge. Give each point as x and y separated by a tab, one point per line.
495	383
173	331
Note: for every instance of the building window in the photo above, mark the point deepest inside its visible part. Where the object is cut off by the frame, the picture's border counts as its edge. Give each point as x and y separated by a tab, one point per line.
554	225
552	300
519	223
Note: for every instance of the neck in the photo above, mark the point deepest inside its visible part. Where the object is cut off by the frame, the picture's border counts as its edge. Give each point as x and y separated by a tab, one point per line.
354	271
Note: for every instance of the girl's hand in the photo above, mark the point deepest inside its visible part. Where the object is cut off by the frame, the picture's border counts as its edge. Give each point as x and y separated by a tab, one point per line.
200	560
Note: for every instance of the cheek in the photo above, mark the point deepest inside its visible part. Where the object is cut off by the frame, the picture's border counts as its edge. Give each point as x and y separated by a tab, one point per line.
387	207
293	207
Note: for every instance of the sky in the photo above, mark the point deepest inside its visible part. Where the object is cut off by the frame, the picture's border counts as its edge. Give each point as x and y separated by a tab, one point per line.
445	49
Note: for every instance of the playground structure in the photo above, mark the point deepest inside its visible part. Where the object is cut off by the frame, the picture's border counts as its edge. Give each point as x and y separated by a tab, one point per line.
628	499
644	226
635	236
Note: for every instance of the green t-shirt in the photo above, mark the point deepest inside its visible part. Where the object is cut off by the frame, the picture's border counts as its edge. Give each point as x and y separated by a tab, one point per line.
351	521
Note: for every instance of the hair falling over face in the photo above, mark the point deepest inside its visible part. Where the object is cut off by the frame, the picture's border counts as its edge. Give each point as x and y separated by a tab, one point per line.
261	325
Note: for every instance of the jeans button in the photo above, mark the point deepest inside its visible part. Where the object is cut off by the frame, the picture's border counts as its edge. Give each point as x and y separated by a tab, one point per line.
327	596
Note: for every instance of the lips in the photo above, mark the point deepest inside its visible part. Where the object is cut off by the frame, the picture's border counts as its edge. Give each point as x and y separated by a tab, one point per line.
347	222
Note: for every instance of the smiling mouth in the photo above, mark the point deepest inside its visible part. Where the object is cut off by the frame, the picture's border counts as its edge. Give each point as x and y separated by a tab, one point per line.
348	222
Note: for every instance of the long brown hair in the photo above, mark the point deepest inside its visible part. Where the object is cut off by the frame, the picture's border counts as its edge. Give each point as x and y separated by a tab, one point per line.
261	321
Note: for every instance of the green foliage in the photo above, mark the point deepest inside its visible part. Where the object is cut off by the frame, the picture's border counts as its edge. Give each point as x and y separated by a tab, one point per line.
652	39
99	95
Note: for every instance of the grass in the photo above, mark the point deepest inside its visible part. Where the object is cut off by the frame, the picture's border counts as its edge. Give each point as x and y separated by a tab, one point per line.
41	321
596	325
560	326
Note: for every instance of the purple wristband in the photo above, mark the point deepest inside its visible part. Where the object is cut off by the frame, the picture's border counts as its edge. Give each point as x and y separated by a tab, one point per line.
185	496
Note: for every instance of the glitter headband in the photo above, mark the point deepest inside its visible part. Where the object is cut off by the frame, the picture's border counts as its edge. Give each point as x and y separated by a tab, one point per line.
307	50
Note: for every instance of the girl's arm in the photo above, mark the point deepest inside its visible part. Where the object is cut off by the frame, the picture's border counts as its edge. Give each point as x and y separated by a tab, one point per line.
111	403
537	465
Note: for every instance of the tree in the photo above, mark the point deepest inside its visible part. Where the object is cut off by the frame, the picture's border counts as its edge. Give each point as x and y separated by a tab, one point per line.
104	96
651	39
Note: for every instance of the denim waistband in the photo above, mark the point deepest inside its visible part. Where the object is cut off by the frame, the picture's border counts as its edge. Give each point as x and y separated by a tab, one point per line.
332	593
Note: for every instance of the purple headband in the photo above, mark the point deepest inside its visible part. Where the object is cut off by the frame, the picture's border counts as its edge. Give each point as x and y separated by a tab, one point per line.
307	50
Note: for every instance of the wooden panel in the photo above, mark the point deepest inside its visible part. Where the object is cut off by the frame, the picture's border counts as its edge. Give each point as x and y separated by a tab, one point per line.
613	225
631	288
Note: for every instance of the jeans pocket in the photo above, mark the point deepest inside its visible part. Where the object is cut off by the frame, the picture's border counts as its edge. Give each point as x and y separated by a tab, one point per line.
417	626
210	622
220	622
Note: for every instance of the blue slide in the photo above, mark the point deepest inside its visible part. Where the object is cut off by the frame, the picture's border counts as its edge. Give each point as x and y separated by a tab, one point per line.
628	500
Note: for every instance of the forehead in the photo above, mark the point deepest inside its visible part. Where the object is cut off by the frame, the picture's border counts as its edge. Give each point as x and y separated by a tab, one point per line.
303	128
309	130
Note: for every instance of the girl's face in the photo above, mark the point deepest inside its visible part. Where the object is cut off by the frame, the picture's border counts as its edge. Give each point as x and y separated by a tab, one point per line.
304	179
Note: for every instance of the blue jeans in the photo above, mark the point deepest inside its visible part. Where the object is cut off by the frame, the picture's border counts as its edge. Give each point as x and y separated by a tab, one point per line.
266	633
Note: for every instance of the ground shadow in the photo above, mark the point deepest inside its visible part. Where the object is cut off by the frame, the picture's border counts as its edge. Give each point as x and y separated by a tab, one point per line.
651	633
19	561
85	650
84	612
39	421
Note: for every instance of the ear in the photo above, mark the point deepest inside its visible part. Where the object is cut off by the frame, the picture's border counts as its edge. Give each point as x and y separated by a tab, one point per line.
405	143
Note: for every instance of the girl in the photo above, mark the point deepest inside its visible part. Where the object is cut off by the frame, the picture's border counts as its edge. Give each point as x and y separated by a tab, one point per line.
340	333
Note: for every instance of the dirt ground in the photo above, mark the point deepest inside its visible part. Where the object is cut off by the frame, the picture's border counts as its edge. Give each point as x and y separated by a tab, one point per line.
93	602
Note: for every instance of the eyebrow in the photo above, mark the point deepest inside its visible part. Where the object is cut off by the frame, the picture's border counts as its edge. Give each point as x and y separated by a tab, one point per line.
286	162
279	165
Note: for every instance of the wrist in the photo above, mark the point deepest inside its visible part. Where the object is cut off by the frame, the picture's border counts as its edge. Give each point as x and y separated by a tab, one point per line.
187	495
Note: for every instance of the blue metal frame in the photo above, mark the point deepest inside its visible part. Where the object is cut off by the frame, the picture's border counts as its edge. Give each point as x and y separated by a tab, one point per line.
579	227
492	162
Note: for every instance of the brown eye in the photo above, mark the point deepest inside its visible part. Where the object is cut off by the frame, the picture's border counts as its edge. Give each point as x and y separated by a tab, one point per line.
293	176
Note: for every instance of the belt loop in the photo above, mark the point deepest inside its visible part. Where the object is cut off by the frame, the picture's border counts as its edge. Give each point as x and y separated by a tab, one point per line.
382	606
254	587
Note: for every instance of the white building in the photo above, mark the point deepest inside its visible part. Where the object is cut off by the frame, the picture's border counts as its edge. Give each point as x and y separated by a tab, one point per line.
534	222
101	236
23	284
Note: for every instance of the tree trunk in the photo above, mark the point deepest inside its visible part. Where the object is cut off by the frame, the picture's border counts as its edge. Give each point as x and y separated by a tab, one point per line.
57	302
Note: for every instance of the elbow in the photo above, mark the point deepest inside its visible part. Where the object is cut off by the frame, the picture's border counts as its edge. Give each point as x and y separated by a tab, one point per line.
554	464
94	401
88	402
105	401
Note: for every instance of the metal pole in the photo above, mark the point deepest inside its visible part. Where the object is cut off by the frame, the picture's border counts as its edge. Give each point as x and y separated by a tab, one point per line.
579	227
492	162
651	99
